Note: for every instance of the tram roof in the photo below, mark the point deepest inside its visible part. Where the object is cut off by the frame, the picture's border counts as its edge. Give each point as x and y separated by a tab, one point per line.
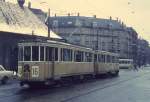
106	52
125	59
53	42
25	43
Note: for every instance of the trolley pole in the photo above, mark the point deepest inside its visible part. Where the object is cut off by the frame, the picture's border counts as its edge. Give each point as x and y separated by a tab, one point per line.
48	23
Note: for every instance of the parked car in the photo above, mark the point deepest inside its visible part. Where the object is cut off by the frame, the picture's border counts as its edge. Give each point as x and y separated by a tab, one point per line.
5	75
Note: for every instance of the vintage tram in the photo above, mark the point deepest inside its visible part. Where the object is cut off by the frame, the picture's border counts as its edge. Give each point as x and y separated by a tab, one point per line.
49	61
126	64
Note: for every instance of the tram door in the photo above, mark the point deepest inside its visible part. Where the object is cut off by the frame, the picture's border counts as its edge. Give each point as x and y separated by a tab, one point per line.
51	57
26	66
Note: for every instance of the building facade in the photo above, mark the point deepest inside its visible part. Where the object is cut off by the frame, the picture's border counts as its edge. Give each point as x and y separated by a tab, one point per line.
102	34
143	53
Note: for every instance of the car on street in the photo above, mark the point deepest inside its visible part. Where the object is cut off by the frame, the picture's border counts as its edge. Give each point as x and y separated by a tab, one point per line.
5	75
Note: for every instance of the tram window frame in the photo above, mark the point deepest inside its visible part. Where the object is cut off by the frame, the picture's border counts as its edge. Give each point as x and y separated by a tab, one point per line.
35	53
79	56
27	57
99	58
114	59
108	58
88	57
103	58
66	54
42	51
51	54
21	53
95	57
56	54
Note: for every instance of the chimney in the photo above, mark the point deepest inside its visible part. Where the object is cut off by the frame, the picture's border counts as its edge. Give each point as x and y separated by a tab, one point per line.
78	14
55	15
94	16
117	19
122	24
68	14
29	5
110	18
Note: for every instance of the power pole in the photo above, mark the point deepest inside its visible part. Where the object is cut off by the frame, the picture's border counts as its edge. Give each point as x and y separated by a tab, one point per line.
97	39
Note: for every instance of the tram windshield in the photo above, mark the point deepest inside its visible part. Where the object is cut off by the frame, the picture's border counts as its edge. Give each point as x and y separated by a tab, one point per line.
37	53
27	53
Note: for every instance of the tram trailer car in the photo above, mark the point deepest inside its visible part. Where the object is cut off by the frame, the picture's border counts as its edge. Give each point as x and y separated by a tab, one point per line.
46	62
126	64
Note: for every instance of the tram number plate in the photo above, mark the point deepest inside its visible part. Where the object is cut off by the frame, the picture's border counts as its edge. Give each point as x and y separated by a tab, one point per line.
35	71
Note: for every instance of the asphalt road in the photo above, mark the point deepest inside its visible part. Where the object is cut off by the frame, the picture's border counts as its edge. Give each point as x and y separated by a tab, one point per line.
129	86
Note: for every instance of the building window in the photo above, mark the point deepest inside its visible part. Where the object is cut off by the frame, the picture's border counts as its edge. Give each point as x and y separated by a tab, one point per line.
55	23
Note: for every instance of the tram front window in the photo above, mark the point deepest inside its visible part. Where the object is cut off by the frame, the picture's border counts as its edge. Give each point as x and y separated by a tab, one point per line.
27	53
35	53
20	55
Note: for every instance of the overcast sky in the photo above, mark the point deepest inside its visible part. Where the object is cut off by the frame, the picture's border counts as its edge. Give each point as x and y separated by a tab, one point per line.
135	13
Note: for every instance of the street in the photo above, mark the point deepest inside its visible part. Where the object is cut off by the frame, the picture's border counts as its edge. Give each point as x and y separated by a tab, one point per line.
129	86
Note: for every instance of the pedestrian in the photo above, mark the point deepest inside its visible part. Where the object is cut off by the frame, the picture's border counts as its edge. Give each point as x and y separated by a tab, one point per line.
135	67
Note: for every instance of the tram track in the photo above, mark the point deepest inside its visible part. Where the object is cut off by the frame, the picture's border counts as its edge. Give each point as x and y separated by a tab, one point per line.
106	86
21	91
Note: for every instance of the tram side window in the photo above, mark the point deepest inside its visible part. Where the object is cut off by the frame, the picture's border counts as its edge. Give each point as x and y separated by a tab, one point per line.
103	58
88	57
20	55
117	59
66	54
108	59
56	54
113	59
42	53
35	53
27	53
99	58
51	54
95	57
79	56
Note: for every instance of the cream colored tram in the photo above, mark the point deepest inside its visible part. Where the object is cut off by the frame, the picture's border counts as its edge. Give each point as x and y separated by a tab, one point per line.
52	60
126	64
106	62
45	62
